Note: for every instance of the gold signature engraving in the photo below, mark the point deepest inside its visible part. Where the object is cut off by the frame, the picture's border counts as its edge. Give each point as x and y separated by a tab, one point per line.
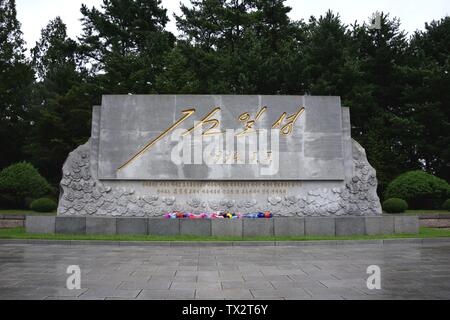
206	120
187	114
288	127
245	118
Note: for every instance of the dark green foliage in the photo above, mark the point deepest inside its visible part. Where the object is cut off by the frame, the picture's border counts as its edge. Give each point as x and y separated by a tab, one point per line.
127	41
10	202
428	94
21	181
395	205
16	78
60	118
396	87
43	205
235	47
327	66
446	205
421	190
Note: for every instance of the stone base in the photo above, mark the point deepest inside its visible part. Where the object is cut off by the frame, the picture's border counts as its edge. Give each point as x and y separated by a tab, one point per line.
435	220
328	226
12	221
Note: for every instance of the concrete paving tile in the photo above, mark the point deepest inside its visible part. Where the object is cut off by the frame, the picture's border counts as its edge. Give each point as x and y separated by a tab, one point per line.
158	277
166	294
117	293
296	293
309	283
279	278
323	292
309	272
179	278
247	285
22	297
235	294
139	285
61	291
346	283
195	285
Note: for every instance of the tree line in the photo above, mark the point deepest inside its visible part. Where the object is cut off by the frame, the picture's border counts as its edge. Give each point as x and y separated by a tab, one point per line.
397	86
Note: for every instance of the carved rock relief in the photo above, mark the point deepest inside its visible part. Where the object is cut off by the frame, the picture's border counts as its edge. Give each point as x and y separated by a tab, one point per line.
83	194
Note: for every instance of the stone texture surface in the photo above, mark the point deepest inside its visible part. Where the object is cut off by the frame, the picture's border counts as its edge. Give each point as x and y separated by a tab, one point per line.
379	225
195	227
373	226
70	225
435	223
227	228
320	226
40	224
84	194
132	226
409	272
258	227
163	227
96	225
406	224
387	224
289	227
313	150
350	226
11	223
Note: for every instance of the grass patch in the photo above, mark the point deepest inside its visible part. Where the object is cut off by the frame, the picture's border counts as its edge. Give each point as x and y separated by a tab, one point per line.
20	233
25	213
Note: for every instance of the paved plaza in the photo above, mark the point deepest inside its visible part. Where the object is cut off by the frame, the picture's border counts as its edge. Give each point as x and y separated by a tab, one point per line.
408	271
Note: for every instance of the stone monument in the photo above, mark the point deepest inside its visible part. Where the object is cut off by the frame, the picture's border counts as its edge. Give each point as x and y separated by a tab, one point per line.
127	168
150	155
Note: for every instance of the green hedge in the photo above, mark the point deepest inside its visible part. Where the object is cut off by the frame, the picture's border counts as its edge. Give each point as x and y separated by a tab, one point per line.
43	205
20	182
419	189
395	205
446	205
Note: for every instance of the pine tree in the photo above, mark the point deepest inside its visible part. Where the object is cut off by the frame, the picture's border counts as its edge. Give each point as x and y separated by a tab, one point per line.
16	78
240	47
59	122
326	58
426	90
125	44
383	124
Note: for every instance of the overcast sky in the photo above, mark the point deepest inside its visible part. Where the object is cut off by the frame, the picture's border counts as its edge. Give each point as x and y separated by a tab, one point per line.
35	14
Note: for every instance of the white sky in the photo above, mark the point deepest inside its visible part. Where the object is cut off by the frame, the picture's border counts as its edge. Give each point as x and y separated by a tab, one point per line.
35	14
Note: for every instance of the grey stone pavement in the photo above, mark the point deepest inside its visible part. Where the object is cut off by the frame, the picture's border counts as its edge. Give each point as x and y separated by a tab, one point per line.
408	271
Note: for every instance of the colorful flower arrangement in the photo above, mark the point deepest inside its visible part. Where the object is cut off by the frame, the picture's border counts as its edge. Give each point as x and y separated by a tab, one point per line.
219	215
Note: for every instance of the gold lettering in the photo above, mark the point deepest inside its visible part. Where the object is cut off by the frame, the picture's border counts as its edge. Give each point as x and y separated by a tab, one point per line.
186	113
245	118
206	120
288	127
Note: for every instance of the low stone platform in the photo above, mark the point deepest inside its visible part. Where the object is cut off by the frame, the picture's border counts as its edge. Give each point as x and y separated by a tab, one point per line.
12	221
435	220
311	226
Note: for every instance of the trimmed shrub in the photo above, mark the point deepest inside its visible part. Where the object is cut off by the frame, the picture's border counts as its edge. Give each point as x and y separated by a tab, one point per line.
446	205
20	181
43	205
395	205
419	189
